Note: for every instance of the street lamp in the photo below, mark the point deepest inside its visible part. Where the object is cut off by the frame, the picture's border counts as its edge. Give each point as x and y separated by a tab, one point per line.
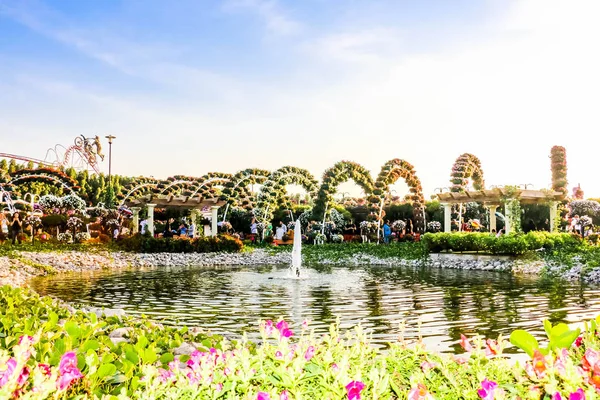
110	189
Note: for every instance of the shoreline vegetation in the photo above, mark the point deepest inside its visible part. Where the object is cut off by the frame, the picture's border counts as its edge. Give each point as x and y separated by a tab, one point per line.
50	350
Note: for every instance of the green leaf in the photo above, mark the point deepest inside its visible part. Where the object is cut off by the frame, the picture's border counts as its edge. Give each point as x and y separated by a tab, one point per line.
548	328
525	341
90	345
132	356
106	370
166	358
72	329
565	341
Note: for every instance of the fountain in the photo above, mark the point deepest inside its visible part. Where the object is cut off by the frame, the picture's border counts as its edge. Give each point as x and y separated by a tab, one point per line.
297	249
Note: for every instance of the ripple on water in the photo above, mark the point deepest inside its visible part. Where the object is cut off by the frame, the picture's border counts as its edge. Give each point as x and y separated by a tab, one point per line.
436	305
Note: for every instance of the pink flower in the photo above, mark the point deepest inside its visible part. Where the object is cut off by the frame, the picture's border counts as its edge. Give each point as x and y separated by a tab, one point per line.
165	376
465	343
23	376
219	387
26	338
426	366
284	395
487	389
335	368
9	369
578	395
268	327
491	348
310	352
590	358
354	388
279	355
283	329
305	324
556	396
45	368
68	371
419	393
539	364
263	396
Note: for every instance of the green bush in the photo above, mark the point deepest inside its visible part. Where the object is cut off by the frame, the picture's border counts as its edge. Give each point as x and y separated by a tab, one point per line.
513	244
148	244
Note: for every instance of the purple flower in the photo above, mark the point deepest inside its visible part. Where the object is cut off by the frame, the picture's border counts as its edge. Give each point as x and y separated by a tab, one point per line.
68	371
283	329
487	389
556	396
310	352
354	388
9	369
284	395
263	396
578	395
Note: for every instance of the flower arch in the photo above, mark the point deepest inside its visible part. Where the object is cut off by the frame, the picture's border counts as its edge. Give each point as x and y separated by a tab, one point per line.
236	191
137	188
274	188
333	177
466	166
391	171
47	175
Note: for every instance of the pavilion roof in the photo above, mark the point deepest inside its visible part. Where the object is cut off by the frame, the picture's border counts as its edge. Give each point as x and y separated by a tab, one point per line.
496	196
175	201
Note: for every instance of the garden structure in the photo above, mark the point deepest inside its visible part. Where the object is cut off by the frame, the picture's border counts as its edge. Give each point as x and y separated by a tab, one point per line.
511	197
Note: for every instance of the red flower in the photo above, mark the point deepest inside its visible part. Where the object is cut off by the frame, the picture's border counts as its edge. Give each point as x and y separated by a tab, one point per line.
354	388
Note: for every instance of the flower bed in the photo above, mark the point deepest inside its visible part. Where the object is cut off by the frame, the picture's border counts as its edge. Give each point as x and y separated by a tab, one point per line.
46	350
147	244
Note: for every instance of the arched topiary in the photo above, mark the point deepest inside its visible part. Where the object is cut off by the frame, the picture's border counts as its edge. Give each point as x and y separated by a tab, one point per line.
390	173
558	165
203	187
333	177
46	175
138	187
274	189
466	166
236	192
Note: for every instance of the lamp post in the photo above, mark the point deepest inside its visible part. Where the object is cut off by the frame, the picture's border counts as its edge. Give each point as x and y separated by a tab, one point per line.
110	139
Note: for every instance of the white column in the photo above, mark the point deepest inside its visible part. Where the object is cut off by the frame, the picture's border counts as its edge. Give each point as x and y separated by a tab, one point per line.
136	219
553	215
447	218
194	217
150	225
214	227
507	214
493	217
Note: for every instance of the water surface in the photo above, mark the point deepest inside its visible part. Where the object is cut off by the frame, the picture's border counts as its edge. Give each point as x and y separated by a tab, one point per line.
435	304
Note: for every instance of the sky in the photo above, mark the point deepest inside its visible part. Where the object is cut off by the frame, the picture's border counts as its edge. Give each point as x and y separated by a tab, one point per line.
195	86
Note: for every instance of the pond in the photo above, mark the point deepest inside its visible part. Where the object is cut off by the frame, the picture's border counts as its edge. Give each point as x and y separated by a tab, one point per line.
435	304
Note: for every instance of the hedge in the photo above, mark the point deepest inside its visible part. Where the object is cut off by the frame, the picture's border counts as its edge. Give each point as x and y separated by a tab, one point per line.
512	244
206	244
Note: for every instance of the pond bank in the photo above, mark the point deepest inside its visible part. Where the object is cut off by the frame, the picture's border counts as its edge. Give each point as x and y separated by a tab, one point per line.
17	268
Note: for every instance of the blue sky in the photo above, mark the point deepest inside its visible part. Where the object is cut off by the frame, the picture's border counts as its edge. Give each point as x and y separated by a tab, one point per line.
195	86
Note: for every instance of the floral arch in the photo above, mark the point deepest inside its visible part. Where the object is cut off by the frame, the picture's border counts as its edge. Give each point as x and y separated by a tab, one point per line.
391	171
47	175
274	188
466	166
341	172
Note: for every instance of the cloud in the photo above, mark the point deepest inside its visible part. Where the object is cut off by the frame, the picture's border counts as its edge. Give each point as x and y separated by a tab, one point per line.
275	19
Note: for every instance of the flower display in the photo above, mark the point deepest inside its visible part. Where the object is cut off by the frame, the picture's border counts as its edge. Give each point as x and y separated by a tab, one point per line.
65	237
82	237
74	223
68	371
488	390
73	202
353	389
33	220
419	392
49	202
434	226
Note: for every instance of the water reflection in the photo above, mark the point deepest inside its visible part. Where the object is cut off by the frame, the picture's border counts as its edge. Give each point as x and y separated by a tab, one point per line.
229	300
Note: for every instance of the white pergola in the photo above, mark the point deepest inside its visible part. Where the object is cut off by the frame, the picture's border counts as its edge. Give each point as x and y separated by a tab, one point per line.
492	199
206	207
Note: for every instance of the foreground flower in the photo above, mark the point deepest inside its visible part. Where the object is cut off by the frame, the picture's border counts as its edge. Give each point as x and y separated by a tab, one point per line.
7	370
578	395
492	348
465	343
556	396
283	329
263	396
539	364
310	352
488	388
426	366
284	395
354	388
419	393
68	371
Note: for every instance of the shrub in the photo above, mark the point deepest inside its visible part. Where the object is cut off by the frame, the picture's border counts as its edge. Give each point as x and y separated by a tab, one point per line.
148	244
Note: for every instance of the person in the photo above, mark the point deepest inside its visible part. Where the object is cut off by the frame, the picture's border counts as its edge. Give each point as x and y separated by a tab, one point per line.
143	225
576	225
3	224
182	230
269	230
169	231
116	233
16	226
254	230
387	232
192	230
280	231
